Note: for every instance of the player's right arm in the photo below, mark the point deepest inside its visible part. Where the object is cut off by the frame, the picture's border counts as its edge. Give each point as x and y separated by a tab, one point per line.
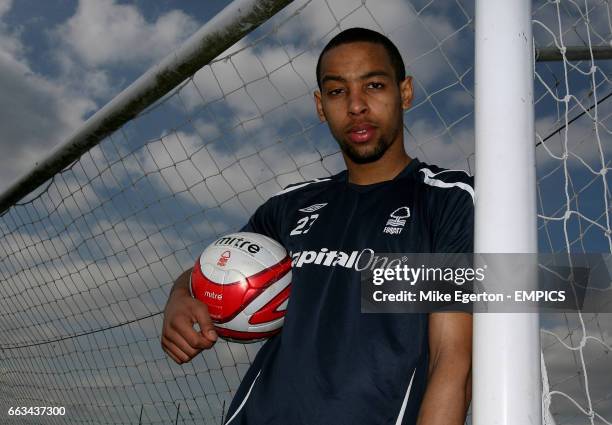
179	339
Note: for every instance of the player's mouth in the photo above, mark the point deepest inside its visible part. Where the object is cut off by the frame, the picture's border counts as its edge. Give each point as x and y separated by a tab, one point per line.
361	133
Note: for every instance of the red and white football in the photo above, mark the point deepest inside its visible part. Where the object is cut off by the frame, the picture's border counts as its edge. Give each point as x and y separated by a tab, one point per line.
245	280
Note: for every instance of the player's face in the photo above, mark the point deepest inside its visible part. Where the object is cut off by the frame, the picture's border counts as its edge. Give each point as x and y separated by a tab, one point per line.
362	101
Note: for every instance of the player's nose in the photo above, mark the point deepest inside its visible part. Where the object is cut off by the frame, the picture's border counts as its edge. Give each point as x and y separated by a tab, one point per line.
357	103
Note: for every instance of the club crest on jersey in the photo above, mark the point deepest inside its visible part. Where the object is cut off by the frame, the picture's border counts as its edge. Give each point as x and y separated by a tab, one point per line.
313	208
397	221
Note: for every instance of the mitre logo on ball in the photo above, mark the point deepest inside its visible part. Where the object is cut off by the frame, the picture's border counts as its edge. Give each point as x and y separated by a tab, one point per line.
245	280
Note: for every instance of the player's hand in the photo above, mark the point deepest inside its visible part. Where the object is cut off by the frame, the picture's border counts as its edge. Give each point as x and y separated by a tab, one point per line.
179	339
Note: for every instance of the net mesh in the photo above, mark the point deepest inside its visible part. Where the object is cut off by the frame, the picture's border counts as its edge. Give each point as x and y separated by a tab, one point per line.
573	121
88	260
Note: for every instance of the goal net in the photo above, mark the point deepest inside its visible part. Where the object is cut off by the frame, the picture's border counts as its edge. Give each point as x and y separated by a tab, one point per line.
87	260
573	122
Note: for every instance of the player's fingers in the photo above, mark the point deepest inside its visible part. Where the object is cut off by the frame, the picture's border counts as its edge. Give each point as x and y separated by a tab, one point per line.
207	327
181	343
196	339
183	327
180	354
170	354
174	352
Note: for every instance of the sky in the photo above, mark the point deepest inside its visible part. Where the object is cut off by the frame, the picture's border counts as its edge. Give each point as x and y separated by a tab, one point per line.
61	61
114	230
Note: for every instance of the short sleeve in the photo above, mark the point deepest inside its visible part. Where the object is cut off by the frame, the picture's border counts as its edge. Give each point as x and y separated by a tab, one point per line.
266	220
454	229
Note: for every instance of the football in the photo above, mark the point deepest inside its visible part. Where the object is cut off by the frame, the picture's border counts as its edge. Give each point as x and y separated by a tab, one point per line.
245	280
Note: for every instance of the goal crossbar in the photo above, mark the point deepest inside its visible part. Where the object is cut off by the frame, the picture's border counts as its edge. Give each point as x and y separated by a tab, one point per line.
573	53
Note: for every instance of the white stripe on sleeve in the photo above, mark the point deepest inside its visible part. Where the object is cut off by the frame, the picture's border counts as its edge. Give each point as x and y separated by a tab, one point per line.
429	179
402	411
244	400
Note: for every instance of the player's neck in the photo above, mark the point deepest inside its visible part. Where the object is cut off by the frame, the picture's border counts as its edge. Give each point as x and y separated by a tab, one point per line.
384	169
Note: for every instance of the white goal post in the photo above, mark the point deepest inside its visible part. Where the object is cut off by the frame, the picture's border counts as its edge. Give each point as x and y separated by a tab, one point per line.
506	352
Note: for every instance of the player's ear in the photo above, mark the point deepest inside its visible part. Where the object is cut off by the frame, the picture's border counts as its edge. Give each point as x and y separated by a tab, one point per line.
319	105
406	92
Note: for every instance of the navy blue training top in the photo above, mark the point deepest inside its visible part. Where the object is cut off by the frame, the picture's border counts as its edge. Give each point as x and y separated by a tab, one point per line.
331	364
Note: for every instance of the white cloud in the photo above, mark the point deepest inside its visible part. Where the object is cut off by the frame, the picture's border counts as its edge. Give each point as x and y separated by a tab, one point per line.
434	143
5	6
102	32
94	82
37	112
9	43
417	36
270	74
103	40
40	111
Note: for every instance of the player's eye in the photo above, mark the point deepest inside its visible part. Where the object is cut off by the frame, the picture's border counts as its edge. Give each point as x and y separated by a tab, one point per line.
375	85
335	92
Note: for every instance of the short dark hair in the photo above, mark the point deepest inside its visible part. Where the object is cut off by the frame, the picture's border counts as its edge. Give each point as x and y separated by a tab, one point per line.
354	35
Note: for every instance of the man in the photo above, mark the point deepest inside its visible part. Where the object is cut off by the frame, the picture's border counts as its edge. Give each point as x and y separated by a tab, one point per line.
331	364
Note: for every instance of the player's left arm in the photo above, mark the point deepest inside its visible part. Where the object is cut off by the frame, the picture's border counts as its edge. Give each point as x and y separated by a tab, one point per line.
448	392
449	384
